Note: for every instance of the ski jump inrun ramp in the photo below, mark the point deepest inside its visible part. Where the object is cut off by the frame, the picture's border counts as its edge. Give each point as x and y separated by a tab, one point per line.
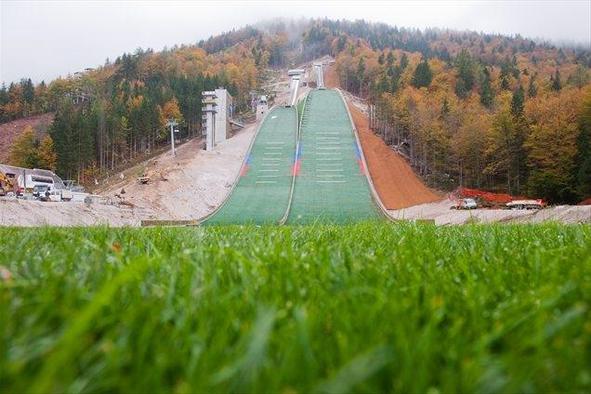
299	175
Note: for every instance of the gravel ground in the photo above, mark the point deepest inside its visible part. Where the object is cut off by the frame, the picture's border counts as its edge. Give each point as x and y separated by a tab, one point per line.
441	213
15	212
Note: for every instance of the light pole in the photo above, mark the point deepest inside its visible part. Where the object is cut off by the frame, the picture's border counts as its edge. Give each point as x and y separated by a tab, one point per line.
171	123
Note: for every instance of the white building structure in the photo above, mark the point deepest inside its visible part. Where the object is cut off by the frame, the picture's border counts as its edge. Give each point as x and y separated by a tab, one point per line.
319	75
262	107
209	111
296	77
218	110
225	112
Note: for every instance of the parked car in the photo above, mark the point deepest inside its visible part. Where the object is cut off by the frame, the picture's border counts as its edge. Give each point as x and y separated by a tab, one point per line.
465	203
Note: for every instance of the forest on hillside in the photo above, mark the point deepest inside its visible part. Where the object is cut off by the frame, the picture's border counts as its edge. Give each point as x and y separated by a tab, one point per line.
466	109
109	116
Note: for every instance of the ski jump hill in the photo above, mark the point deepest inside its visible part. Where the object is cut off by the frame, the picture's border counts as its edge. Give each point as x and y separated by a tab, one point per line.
303	168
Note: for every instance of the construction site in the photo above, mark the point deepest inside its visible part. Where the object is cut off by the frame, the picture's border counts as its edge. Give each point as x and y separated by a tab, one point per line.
277	197
310	158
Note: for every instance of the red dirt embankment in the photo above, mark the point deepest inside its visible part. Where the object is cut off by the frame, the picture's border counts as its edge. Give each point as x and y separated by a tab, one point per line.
395	181
11	130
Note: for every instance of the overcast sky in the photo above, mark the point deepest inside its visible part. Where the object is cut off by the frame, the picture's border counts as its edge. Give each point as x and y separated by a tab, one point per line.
46	39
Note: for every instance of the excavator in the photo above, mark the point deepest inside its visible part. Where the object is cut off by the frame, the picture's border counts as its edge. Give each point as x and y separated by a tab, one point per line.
6	184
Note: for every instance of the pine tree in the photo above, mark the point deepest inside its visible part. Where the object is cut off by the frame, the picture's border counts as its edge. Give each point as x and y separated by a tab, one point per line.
517	102
28	91
461	90
394	84
360	73
514	68
505	82
390	59
63	132
341	43
383	85
422	76
465	68
532	89
555	81
393	72
403	62
486	92
4	98
505	74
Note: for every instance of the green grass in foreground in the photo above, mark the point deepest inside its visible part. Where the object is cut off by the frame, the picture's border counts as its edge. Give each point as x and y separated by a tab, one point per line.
363	308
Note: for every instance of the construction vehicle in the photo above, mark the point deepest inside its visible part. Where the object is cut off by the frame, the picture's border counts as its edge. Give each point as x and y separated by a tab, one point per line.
6	184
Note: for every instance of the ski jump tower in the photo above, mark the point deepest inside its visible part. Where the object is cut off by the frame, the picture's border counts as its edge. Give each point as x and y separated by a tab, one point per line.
296	76
319	75
217	113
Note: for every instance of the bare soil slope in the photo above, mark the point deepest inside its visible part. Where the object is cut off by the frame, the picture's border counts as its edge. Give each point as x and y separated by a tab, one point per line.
394	179
188	186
